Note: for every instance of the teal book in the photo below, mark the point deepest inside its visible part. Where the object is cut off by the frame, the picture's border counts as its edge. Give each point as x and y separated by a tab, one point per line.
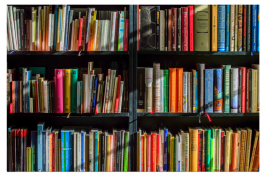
96	138
227	88
62	151
208	149
74	79
165	90
126	151
40	144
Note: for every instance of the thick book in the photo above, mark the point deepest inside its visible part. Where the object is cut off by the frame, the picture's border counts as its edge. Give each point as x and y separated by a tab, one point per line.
153	151
74	79
257	66
193	148
174	28
243	89
244	28
172	90
184	28
162	30
221	28
185	92
236	27
195	91
227	28
156	87
218	90
190	27
148	89
40	128
248	38
58	91
214	27
169	29
202	30
209	73
67	90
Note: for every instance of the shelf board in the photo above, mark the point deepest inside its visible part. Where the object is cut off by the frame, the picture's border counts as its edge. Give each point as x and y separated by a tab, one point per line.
66	53
142	114
194	53
64	115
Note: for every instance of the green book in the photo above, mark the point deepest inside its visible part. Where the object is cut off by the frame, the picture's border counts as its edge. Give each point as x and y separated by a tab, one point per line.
227	88
208	149
74	79
212	154
166	90
126	152
213	150
29	158
175	159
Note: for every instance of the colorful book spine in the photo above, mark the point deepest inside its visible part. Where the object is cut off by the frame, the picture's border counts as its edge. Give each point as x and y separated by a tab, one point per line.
74	79
165	150
240	22
243	89
214	27
63	151
153	152
58	91
166	90
126	35
218	90
209	90
96	153
158	148
221	28
234	90
126	144
179	90
236	26
185	93
232	27
258	33
191	32
195	91
201	68
121	32
200	151
33	150
184	28
254	28
227	30
227	83
172	90
208	149
40	128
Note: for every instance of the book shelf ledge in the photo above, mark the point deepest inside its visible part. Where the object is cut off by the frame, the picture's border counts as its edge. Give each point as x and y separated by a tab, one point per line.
207	53
67	53
64	115
143	114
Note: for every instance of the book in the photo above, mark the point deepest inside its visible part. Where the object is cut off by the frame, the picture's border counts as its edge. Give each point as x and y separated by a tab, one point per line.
201	68
209	74
254	28
193	147
148	89
221	28
74	78
172	90
67	90
234	90
162	30
195	90
218	91
227	88
185	93
179	90
227	29
214	27
184	28
240	26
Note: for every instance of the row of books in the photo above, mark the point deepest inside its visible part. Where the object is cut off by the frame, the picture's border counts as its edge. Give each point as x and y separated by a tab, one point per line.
65	94
198	28
200	149
214	90
77	149
53	28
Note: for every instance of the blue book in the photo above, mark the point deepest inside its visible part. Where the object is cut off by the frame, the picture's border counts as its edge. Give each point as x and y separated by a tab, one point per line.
70	151
62	151
254	28
197	94
55	24
221	28
82	151
66	28
209	90
44	150
66	149
40	128
227	32
94	94
121	31
33	146
218	90
96	151
165	150
258	40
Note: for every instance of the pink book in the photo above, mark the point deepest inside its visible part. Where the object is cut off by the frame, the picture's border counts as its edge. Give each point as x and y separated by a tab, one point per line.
126	36
148	153
191	32
117	94
112	153
80	33
58	90
184	29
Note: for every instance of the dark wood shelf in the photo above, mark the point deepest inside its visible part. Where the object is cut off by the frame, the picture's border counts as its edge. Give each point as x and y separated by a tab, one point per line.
194	53
64	115
142	114
66	53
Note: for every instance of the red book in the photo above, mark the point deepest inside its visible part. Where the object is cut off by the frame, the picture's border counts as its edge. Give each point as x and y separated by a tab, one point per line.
169	29
36	96
247	90
199	150
174	28
153	152
58	91
243	93
191	32
137	27
184	28
13	97
222	151
52	151
80	33
142	153
126	36
148	153
158	148
117	94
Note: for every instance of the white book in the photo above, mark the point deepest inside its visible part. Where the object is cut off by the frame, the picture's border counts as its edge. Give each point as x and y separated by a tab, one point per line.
89	85
12	27
112	31
236	26
161	132
234	90
102	27
148	89
9	28
232	28
52	34
156	87
179	152
49	31
15	25
95	35
120	96
106	35
185	92
162	30
63	26
79	152
161	91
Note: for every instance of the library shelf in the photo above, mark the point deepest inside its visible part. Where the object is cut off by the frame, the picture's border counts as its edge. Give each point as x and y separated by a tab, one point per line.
195	53
143	114
67	53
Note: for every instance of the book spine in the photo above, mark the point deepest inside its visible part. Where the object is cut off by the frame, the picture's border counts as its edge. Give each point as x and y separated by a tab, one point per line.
162	30
221	28
153	152
67	27
172	90
67	90
254	18
218	93
191	32
161	91
194	150
214	26
184	29
22	30
121	32
248	27
243	89
126	35
169	27
201	68
166	31
165	90
74	79
236	26
138	32
258	29
199	151
209	73
157	27
250	90
58	91
242	150
174	28
179	90
253	151
254	102
148	89
165	150
208	150
80	34
185	92
156	87
126	144
158	148
222	151
227	34
227	88
234	90
247	92
117	94
189	90
195	91
244	28
256	162
240	21
148	153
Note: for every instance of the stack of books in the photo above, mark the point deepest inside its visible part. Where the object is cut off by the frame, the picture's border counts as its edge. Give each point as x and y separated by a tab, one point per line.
53	28
78	149
200	149
214	90
71	91
198	28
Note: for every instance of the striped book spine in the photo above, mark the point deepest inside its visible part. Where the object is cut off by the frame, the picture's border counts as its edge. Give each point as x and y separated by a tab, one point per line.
221	28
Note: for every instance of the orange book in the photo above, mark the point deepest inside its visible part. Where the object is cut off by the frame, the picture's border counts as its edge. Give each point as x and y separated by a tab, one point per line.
13	97
172	89
142	153
214	27
243	149
52	154
256	162
158	155
193	149
153	151
235	151
179	90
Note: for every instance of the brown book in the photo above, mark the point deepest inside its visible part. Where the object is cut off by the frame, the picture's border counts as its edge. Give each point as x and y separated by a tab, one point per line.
255	143
243	149
41	79
256	162
174	28
169	29
28	34
248	148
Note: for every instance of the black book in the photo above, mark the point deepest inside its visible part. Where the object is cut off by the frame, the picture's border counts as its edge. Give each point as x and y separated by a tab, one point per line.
201	68
102	136
157	27
166	30
148	28
179	21
69	29
100	152
22	30
118	150
18	151
244	27
25	147
240	90
141	89
248	20
21	149
14	150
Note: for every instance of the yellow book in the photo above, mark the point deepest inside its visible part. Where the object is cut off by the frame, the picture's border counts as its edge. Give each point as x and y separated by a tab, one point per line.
249	136
138	150
75	35
172	144
227	149
41	93
145	152
93	29
243	143
254	149
29	157
108	148
214	27
67	90
114	95
193	133
254	88
58	28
